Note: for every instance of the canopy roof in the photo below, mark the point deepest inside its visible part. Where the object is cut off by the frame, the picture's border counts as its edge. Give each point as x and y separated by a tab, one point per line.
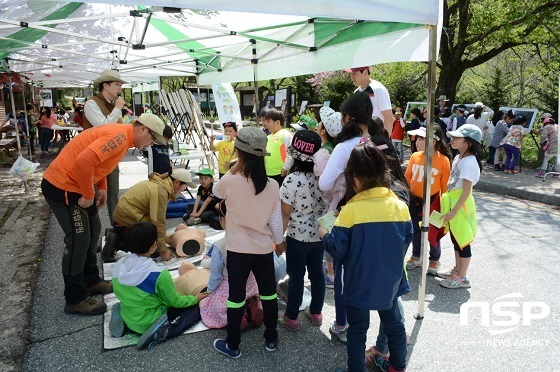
69	44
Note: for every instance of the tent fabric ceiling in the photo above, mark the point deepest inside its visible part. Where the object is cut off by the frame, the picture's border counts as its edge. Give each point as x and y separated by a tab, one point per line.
69	44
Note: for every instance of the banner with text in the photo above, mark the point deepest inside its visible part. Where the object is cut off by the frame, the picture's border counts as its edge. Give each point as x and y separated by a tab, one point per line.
226	103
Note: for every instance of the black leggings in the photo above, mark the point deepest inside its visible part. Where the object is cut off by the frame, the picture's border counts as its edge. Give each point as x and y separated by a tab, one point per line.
463	253
239	266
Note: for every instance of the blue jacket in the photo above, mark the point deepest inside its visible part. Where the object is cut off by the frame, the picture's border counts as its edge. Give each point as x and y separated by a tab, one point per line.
369	239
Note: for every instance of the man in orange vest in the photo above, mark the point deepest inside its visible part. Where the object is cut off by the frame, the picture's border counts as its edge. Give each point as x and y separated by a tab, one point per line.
69	188
106	108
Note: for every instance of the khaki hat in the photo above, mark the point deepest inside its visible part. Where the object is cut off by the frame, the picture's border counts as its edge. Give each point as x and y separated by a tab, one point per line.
183	175
252	141
155	124
106	76
443	97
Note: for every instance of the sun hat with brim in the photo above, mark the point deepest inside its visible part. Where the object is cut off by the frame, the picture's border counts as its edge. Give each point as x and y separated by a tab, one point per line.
467	130
443	97
332	121
546	115
107	76
183	175
420	132
305	144
205	172
155	124
252	141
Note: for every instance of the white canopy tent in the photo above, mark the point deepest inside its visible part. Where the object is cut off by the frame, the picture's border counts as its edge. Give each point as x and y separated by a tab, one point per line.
68	44
64	44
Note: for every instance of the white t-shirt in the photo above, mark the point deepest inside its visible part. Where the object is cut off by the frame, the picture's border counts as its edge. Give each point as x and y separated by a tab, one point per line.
301	191
337	163
379	97
463	169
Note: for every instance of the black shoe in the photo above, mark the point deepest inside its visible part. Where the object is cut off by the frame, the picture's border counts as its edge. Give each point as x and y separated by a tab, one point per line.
108	252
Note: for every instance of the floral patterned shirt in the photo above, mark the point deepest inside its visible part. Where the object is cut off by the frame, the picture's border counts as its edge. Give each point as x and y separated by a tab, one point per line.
514	136
301	191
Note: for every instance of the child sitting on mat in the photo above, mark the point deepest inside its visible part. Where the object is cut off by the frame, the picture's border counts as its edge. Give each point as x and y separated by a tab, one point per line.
149	303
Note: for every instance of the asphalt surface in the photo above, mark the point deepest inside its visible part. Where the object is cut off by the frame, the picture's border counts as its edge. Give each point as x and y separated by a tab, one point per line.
515	265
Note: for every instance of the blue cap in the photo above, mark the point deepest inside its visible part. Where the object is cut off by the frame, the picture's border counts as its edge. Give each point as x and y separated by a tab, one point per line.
467	130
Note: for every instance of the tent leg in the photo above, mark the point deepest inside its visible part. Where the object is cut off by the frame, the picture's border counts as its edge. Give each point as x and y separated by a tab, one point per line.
14	113
427	171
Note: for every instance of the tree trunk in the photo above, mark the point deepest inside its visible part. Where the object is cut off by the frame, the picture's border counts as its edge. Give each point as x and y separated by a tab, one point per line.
449	77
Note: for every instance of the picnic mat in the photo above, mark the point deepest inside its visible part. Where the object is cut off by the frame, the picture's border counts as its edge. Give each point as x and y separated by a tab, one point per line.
131	338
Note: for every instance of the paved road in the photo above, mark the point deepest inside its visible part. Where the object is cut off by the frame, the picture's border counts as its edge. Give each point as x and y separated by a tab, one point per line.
516	253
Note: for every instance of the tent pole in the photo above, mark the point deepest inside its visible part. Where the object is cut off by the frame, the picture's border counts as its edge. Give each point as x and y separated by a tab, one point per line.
27	124
254	62
432	57
12	99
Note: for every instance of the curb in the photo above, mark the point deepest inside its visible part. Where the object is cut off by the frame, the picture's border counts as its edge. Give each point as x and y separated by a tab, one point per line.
518	192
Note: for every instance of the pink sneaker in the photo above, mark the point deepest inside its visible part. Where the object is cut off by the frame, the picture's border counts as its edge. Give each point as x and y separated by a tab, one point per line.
291	325
316	319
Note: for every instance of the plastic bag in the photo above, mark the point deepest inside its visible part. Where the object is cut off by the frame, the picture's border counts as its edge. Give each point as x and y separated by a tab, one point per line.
279	267
23	168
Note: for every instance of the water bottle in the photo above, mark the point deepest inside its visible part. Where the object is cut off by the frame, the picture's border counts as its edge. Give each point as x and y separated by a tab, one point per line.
308	122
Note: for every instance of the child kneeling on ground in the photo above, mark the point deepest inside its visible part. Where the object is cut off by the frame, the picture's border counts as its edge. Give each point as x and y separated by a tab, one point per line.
149	303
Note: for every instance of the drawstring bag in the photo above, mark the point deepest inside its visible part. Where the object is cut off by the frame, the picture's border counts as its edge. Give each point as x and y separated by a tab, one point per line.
23	168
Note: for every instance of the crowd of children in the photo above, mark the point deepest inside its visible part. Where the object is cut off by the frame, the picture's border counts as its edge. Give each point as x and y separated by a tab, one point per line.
276	188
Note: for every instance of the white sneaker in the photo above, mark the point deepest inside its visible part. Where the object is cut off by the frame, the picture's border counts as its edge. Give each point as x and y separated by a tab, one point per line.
455	282
413	263
448	274
433	268
340	333
194	221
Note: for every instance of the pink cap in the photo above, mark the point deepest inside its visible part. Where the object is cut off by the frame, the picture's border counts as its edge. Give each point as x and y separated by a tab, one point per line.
356	69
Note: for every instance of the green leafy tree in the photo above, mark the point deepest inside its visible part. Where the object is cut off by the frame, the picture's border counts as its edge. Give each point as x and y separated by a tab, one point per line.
474	32
332	86
405	81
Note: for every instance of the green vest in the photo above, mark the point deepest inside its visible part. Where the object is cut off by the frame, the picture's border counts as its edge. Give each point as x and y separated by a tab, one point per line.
277	149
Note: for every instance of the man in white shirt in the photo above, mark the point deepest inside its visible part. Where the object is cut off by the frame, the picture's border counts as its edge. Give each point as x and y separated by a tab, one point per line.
106	108
377	92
